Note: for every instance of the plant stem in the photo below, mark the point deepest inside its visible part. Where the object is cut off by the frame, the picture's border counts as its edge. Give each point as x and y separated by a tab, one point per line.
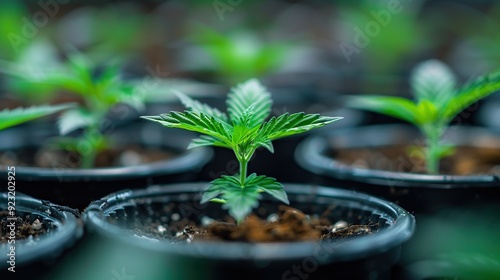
88	158
243	171
90	138
432	157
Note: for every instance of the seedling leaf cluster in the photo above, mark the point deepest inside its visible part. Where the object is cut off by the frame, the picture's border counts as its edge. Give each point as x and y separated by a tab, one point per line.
437	100
243	129
100	88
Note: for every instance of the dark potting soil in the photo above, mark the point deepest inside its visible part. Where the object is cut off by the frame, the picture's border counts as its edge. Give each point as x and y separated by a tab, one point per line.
25	227
288	225
49	158
466	160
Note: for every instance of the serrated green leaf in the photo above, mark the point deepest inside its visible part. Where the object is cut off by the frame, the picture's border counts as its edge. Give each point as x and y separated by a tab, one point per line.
218	187
286	125
197	122
74	119
9	118
471	93
397	107
434	81
245	95
196	106
268	185
205	140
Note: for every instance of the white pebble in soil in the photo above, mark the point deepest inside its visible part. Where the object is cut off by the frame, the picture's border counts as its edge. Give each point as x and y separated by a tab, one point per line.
161	229
37	225
339	225
129	158
175	217
272	218
205	221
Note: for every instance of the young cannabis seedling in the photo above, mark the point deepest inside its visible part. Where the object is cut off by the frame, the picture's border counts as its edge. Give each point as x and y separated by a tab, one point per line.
437	102
243	130
242	55
9	118
100	88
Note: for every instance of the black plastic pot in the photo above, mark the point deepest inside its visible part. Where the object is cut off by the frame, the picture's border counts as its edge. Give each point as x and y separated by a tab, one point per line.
35	256
414	192
76	188
489	112
365	257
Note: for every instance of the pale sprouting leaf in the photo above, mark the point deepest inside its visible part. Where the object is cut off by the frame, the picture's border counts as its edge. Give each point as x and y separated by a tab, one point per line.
434	81
196	106
197	122
205	140
75	119
246	118
268	185
17	116
286	125
245	95
397	107
471	93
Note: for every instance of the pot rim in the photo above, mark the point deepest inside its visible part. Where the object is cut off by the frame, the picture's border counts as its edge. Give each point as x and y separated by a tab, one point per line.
186	160
399	231
49	246
310	155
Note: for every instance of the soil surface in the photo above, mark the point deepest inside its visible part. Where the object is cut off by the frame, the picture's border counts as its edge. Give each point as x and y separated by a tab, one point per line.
466	160
49	158
24	227
288	225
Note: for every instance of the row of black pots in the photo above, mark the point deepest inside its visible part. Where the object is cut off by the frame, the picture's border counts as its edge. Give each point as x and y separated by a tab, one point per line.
111	249
419	194
404	189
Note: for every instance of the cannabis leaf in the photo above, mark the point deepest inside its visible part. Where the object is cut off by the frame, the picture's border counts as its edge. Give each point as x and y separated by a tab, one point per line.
437	102
17	116
249	95
245	130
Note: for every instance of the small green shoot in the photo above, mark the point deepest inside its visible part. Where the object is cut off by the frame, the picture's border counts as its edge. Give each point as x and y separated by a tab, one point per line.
437	102
243	129
9	118
99	88
241	55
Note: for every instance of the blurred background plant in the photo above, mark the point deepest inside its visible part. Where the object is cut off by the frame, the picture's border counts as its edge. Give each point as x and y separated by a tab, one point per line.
29	53
99	87
239	54
185	45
